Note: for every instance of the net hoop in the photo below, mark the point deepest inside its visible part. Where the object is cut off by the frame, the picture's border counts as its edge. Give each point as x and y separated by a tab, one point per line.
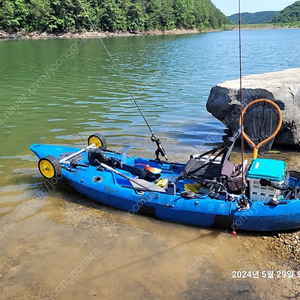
246	137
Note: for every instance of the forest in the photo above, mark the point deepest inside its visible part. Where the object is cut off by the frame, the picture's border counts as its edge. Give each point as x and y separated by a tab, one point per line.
289	15
56	16
261	17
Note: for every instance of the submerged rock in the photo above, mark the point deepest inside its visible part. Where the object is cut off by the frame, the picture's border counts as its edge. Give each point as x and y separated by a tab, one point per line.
283	88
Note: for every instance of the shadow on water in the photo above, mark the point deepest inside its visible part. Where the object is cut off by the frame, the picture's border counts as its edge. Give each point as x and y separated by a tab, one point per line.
201	135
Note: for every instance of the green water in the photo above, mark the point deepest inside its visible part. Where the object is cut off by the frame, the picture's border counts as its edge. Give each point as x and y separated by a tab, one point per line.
61	91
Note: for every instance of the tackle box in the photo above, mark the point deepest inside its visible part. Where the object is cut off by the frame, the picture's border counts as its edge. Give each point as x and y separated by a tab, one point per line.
270	169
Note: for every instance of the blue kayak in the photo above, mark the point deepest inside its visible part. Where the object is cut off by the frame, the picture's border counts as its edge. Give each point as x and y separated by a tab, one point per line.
205	191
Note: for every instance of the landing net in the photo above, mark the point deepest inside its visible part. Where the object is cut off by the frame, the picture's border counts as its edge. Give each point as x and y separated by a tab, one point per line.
260	122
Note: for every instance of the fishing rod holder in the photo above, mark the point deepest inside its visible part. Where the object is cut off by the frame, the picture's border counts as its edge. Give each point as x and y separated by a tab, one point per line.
243	203
160	149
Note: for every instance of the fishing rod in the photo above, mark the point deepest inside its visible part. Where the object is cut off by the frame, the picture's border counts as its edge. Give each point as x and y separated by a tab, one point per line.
160	150
244	200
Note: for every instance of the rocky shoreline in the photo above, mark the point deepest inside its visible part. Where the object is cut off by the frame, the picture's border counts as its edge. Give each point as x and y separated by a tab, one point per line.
286	245
280	87
280	247
265	27
23	35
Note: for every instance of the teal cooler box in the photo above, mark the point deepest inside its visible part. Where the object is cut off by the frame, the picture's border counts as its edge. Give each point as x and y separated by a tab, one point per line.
270	169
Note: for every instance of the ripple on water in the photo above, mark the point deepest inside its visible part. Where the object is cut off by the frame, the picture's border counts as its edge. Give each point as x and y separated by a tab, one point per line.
141	258
56	120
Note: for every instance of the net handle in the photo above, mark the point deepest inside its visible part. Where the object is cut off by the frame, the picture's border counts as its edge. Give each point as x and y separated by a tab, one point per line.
246	137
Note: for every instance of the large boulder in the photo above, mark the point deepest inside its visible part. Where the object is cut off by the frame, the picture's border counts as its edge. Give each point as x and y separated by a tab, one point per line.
283	88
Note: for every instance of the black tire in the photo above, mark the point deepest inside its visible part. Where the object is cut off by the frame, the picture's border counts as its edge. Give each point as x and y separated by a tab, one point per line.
98	139
50	167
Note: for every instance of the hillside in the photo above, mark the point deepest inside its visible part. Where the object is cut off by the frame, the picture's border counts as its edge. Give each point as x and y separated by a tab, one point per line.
55	16
290	14
261	17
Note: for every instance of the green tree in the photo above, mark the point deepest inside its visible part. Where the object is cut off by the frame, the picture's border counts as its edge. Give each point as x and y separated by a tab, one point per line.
13	15
40	15
64	15
153	10
289	15
108	15
135	16
180	15
166	15
111	17
202	14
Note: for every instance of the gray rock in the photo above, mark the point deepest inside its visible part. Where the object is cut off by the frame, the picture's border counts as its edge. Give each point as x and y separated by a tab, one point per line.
281	87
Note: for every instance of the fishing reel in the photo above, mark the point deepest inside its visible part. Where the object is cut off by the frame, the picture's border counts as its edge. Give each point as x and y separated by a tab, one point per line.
243	203
160	149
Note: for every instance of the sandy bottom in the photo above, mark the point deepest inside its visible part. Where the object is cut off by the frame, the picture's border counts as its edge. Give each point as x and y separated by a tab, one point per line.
65	246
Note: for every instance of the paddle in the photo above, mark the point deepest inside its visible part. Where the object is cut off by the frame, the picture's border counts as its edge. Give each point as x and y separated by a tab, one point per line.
151	169
137	183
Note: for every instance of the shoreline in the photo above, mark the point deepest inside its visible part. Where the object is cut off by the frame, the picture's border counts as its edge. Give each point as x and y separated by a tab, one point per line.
35	35
263	27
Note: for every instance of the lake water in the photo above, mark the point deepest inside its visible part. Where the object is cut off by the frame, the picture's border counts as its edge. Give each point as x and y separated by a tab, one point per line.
61	91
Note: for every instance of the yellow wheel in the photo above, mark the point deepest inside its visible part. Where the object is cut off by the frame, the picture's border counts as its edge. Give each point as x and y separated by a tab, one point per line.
99	140
49	167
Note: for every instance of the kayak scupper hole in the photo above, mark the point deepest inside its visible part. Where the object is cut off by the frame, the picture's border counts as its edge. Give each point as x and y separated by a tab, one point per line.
97	179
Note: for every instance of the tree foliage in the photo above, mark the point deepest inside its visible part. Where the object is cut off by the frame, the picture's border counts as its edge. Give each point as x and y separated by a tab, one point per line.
261	17
108	15
289	15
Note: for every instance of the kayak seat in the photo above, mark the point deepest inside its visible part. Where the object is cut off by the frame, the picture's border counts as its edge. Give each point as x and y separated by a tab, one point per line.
200	170
237	180
295	174
212	166
97	156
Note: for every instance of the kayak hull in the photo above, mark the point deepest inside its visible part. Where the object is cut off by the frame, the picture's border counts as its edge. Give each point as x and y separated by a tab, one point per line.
117	190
